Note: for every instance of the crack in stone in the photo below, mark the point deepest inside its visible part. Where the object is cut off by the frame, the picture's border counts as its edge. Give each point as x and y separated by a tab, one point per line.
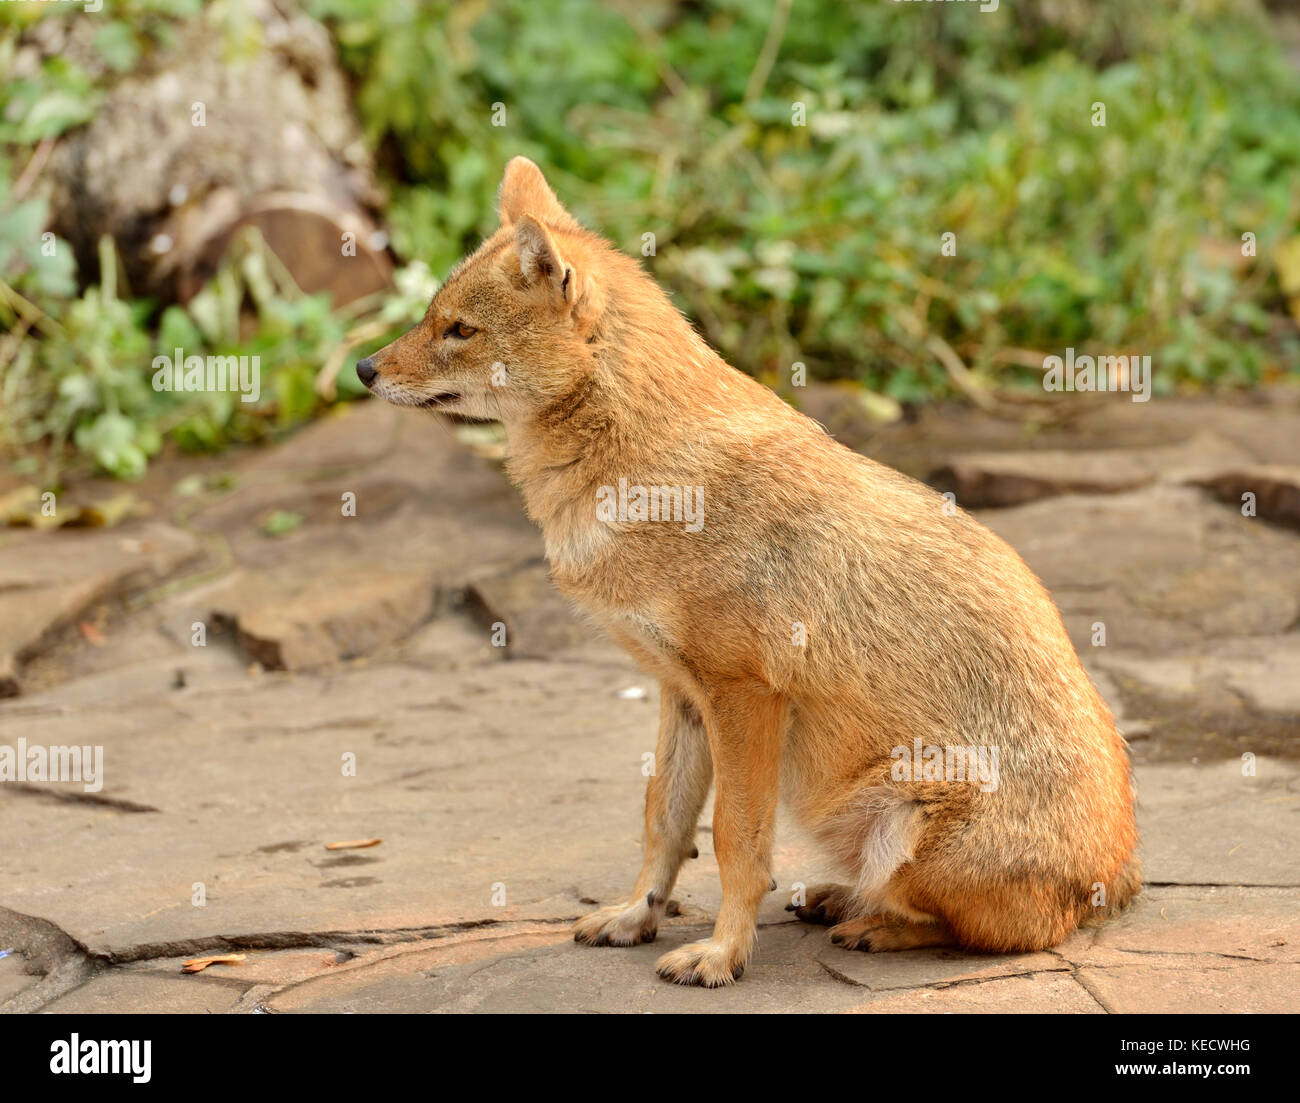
1106	1007
72	797
1187	953
843	978
961	982
51	953
356	964
8	711
934	985
80	964
301	940
64	978
1219	885
251	1002
1074	976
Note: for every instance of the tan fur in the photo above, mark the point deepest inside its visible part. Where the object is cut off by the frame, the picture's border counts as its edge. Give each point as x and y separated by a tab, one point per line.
920	623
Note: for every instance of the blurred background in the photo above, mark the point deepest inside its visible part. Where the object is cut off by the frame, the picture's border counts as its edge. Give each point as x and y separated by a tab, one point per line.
289	180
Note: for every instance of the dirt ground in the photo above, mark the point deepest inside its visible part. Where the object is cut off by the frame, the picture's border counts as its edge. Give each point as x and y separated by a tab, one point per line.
259	696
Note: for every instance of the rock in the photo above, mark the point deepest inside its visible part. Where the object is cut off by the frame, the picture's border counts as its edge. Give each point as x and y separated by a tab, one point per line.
1276	490
883	972
1262	426
850	414
393	511
351	436
247	776
14	977
539	971
416	500
1248	989
538	621
1036	994
997	479
1224	697
1259	924
1161	567
112	992
48	580
1213	823
451	641
333	617
1261	672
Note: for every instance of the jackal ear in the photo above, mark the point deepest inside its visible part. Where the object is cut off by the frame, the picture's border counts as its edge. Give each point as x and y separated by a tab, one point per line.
540	260
524	190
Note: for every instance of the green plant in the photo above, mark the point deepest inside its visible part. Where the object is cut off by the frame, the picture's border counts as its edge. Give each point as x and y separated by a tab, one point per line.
797	197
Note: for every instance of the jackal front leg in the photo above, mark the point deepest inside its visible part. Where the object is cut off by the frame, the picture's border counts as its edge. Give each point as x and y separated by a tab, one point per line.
675	795
746	727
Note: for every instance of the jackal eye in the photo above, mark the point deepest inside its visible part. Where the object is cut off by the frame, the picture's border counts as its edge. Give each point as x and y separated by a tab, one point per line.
460	331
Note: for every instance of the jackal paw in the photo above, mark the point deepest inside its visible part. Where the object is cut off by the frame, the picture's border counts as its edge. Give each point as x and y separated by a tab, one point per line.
881	933
825	904
618	925
707	964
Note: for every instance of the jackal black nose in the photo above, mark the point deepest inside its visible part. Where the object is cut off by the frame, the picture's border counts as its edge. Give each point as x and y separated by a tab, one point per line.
366	371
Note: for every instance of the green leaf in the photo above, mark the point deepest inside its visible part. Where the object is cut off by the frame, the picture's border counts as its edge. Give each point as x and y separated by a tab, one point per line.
53	114
281	521
116	44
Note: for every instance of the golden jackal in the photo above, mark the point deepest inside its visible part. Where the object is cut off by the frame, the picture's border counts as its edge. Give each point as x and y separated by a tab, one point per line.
817	622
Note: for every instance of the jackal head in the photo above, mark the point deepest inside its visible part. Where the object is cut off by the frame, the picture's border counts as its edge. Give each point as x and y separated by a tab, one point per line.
511	331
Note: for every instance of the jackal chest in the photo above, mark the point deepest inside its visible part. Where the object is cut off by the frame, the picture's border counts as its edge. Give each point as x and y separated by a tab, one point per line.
645	639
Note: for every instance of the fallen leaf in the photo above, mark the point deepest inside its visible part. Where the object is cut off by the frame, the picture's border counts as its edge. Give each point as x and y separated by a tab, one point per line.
198	964
109	511
27	507
18	506
93	635
355	844
280	521
1287	258
879	408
